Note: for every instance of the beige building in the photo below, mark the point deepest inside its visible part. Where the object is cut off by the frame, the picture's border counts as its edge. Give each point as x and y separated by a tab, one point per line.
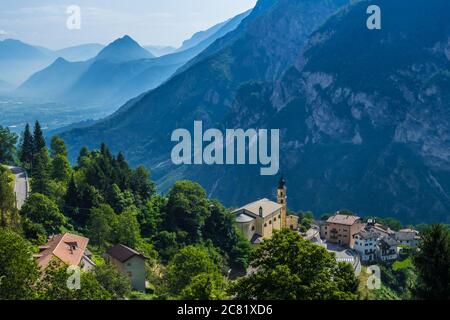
260	219
341	229
408	237
130	263
293	222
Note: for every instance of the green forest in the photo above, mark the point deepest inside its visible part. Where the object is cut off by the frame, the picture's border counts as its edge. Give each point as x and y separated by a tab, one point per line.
193	248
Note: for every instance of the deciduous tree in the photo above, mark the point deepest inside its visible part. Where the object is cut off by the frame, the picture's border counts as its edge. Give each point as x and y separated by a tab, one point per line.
18	270
287	267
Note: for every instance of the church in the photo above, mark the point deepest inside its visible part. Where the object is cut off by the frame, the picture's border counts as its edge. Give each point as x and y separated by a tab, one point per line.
260	219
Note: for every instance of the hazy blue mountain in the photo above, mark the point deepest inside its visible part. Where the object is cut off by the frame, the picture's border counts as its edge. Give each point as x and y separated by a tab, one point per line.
201	36
159	51
198	38
53	82
14	48
118	73
122	50
80	53
264	45
19	60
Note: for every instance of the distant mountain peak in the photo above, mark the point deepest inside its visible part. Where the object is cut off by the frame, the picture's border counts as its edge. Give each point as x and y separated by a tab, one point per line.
60	60
123	49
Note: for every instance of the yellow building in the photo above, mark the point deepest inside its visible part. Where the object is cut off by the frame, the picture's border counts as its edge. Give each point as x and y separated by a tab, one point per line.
258	220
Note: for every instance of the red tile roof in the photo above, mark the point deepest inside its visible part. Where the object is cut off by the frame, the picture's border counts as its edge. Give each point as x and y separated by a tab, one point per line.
69	248
344	219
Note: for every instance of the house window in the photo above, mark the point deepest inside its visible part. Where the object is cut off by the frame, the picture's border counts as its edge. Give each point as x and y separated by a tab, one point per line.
253	228
275	219
270	222
129	264
279	216
130	274
265	225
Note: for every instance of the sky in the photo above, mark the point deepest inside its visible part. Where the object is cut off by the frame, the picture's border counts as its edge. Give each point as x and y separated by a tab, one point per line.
150	22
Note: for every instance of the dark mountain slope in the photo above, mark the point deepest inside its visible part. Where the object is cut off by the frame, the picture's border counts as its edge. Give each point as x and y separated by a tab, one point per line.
365	116
264	44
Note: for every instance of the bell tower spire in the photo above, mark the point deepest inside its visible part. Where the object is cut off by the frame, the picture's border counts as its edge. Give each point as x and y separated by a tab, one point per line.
281	199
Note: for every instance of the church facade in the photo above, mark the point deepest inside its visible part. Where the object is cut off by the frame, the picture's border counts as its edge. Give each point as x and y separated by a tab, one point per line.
260	219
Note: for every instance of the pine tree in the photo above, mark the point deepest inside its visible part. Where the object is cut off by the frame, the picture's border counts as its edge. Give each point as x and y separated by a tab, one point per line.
432	263
58	147
27	148
83	157
122	172
72	200
39	141
41	173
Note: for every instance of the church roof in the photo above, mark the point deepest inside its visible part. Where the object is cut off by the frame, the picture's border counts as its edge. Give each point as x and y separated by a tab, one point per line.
243	218
268	207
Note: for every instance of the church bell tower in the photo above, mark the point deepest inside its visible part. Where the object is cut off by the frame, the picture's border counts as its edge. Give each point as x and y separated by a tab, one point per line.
281	199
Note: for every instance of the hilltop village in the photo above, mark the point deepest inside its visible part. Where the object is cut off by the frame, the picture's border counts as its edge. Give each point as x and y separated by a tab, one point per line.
349	236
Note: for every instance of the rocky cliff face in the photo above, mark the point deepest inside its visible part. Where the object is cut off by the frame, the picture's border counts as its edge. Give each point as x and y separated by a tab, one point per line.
365	114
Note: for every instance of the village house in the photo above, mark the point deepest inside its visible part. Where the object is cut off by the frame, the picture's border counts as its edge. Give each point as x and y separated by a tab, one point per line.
408	237
130	263
340	229
69	249
382	230
372	241
366	244
293	222
387	249
260	219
